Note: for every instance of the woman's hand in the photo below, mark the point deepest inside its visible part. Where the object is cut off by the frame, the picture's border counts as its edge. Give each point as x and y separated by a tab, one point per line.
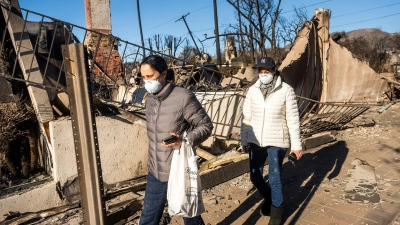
176	144
298	153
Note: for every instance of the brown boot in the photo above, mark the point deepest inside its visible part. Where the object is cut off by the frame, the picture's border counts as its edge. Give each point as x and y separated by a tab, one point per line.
276	214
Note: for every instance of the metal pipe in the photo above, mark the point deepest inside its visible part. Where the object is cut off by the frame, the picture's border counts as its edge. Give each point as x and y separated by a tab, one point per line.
190	32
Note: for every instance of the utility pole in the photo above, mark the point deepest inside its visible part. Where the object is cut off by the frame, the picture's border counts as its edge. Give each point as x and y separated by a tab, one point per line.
217	32
140	26
190	32
241	35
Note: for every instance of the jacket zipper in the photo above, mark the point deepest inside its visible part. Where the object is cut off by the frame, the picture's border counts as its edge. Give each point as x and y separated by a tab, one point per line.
262	130
265	103
155	130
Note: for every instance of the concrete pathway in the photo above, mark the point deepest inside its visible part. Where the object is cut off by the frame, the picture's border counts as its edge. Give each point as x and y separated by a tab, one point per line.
315	188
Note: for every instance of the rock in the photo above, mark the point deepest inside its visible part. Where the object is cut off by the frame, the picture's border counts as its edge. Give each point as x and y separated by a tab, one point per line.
210	201
237	202
41	177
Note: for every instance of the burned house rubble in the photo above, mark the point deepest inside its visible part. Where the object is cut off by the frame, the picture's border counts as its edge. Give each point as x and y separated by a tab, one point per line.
79	112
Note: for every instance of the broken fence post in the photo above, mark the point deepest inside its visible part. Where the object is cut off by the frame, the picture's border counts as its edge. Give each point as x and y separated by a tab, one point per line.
385	107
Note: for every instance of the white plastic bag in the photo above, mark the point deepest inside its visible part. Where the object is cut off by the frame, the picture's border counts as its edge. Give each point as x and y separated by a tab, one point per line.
184	186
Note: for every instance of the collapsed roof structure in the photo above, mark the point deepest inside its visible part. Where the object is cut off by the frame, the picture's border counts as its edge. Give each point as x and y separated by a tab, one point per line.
320	69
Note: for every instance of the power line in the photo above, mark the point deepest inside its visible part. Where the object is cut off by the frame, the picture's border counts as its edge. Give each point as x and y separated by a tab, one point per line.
366	20
222	1
306	6
177	18
180	17
197	31
365	10
163	23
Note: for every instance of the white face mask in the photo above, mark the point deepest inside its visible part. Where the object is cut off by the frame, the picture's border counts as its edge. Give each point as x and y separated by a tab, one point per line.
266	78
152	86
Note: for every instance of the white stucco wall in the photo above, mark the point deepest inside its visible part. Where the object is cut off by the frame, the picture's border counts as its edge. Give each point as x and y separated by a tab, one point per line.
123	153
123	149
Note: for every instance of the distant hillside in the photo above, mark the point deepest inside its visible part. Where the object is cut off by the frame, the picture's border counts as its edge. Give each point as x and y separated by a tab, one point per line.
368	32
365	33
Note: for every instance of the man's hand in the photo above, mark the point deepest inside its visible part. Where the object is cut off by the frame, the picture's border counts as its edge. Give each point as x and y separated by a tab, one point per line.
245	149
298	153
176	144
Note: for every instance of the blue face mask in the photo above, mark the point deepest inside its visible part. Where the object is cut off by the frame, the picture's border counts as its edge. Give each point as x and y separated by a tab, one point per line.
266	78
152	86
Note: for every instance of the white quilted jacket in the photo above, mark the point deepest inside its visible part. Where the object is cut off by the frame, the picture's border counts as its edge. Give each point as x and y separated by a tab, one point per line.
273	121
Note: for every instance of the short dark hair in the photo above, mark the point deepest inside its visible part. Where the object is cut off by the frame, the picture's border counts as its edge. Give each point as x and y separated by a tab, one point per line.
156	62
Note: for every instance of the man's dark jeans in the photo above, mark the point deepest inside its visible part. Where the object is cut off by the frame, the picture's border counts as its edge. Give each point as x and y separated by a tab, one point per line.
154	201
275	155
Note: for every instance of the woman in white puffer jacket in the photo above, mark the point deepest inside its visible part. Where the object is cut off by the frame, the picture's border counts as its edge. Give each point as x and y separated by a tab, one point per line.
270	125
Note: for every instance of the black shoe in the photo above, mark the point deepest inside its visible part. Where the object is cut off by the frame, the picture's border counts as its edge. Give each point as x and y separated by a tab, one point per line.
276	214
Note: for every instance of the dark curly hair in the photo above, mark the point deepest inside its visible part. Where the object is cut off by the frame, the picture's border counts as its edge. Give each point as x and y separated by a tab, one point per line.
156	62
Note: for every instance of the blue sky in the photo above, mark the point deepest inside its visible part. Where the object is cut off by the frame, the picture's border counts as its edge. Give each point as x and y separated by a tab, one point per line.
158	16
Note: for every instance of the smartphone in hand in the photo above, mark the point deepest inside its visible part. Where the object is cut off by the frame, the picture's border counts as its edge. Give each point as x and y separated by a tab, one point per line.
169	140
292	158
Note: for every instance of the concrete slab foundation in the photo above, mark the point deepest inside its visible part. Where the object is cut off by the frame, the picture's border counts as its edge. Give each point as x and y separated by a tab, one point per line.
319	139
41	197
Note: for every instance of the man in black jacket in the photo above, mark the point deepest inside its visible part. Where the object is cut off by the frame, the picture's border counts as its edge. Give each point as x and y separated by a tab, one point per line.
170	110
